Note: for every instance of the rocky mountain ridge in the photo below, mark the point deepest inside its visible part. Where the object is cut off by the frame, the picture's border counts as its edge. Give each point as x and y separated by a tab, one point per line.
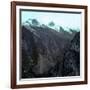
43	52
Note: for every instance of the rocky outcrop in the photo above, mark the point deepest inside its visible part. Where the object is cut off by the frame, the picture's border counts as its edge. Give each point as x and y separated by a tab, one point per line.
71	61
43	50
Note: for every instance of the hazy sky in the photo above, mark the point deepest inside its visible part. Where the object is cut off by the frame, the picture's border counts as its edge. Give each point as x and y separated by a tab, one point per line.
66	20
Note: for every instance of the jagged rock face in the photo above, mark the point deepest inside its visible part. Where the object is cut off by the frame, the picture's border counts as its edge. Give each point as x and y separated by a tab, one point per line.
42	51
71	61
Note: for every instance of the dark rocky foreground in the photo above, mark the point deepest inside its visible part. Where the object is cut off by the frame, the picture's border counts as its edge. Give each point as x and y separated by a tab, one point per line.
71	59
48	53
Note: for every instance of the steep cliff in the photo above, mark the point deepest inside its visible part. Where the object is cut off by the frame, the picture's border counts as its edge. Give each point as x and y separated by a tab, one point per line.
43	52
71	61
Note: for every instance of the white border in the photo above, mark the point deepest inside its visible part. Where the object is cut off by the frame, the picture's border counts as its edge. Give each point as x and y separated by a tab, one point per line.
55	79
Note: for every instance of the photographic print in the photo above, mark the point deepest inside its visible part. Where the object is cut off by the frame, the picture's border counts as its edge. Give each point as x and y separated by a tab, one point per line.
49	44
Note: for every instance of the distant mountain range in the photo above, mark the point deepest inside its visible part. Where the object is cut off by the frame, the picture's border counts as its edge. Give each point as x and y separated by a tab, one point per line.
49	53
52	25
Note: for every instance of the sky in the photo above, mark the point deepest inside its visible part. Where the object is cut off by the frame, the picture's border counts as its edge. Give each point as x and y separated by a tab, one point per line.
66	20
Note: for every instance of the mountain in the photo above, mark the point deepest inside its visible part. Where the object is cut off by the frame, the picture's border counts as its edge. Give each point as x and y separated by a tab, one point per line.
71	61
42	51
